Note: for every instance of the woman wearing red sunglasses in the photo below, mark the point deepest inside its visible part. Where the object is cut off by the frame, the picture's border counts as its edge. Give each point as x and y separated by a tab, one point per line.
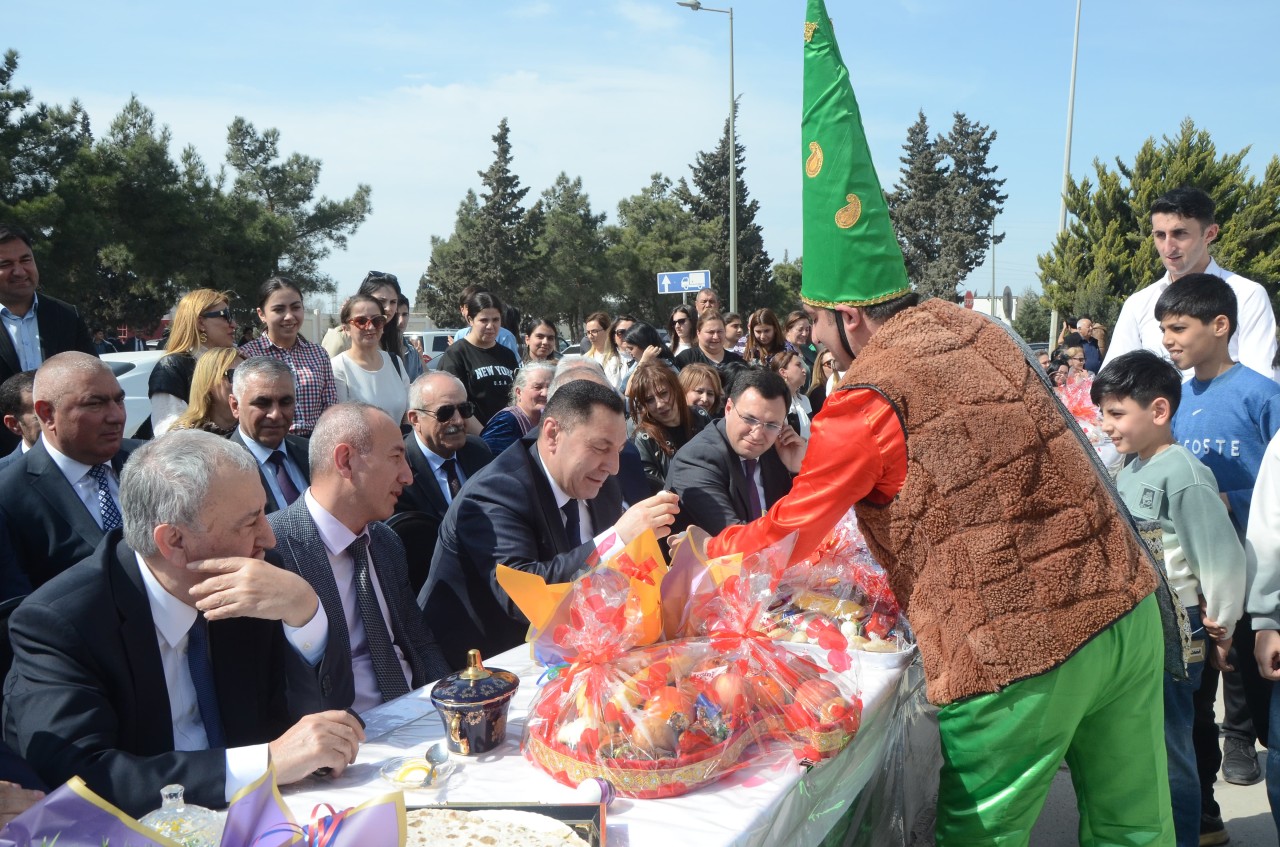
365	371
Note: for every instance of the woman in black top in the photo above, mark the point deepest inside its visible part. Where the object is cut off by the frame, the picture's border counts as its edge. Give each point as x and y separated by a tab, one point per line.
664	423
484	366
202	321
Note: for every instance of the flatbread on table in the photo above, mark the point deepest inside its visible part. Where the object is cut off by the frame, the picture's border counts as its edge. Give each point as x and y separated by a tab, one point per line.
489	828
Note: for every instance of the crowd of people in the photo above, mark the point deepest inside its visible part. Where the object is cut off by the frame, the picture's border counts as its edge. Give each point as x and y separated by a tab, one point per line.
309	530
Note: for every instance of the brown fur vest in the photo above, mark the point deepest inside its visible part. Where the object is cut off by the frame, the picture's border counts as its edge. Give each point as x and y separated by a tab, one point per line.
1003	546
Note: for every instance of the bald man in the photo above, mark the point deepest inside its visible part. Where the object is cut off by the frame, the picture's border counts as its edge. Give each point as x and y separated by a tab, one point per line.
59	499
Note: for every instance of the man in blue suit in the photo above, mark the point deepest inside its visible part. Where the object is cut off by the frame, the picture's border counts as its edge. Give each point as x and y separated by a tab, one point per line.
543	506
334	538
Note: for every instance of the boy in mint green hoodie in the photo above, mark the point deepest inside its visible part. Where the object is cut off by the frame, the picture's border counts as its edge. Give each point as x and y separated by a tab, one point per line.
1138	394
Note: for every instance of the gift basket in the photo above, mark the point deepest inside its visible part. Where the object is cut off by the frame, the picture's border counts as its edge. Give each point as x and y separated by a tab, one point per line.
661	719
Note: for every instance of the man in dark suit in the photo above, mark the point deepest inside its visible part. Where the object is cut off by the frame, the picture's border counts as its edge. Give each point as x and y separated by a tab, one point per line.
35	327
543	506
440	453
174	653
735	469
263	398
333	536
131	343
62	496
18	409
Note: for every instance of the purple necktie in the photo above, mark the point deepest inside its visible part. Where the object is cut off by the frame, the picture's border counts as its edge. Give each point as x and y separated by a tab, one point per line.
753	493
287	489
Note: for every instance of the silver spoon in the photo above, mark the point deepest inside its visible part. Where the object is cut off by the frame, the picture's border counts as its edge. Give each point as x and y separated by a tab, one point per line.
437	754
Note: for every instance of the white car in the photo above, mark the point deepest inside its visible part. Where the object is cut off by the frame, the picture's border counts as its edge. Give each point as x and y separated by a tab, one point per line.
133	371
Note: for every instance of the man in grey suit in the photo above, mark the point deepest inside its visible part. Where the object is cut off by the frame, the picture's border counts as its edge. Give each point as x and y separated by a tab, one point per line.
263	398
59	499
738	467
334	538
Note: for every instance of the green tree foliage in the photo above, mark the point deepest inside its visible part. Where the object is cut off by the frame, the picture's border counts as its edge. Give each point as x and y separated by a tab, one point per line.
306	228
708	199
945	203
1106	253
493	244
574	255
786	277
1032	322
655	233
123	230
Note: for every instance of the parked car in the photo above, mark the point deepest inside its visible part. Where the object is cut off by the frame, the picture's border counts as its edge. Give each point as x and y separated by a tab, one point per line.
434	342
133	371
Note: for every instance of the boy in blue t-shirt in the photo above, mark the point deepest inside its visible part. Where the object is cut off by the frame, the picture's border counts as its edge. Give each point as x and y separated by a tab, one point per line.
1138	394
1227	416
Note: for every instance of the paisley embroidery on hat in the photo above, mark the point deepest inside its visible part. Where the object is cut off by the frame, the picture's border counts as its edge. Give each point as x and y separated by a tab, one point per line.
813	164
848	216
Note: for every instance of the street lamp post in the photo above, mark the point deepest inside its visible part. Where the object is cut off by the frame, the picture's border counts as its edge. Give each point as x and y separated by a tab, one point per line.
1066	156
695	5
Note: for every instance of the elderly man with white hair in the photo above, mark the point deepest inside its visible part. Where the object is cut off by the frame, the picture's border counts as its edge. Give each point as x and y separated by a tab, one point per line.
175	654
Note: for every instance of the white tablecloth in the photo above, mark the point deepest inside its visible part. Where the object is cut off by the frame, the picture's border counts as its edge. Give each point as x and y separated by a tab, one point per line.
774	801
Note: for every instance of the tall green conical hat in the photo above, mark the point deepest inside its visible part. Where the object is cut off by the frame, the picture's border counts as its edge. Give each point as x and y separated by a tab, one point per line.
851	255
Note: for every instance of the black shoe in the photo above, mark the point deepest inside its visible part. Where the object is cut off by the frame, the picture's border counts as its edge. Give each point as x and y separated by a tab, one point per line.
1212	832
1240	762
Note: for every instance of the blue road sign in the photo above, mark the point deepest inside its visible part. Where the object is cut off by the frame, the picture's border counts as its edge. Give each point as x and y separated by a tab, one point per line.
682	282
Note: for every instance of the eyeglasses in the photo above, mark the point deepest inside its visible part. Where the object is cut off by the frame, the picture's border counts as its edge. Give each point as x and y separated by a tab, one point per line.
225	314
828	364
753	423
592	333
365	321
446	412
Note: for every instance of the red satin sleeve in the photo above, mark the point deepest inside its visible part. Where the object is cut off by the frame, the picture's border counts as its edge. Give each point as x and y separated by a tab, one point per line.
857	450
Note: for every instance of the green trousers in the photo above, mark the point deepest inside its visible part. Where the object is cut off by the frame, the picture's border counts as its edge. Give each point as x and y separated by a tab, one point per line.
1102	710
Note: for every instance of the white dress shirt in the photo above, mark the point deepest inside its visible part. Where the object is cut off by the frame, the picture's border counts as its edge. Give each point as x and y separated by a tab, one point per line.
585	524
261	454
436	461
173	619
337	538
1253	344
24	331
85	486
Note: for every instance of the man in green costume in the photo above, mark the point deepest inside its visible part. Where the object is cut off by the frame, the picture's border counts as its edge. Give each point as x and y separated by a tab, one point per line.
1030	594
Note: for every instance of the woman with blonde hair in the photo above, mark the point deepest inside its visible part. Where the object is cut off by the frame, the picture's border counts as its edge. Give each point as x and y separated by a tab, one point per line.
202	321
824	379
703	389
209	406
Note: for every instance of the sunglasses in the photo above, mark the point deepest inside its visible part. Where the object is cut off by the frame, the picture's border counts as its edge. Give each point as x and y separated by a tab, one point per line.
621	333
229	374
225	314
376	275
680	321
445	412
365	321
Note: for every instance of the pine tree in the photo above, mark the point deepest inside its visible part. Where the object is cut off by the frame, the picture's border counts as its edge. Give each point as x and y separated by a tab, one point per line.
710	204
496	248
944	204
573	252
1106	252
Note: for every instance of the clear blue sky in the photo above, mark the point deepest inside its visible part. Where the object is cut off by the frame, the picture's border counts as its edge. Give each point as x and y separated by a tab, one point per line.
405	96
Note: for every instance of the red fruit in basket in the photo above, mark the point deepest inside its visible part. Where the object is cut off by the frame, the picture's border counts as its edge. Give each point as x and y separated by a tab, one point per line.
668	701
654	737
879	625
730	692
693	740
814	694
766	691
